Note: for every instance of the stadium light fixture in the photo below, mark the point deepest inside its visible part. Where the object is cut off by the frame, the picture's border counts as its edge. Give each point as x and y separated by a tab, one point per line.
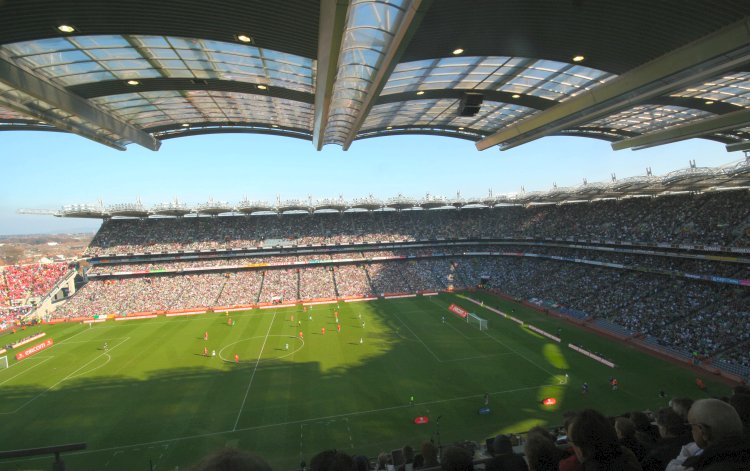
458	51
66	29
578	58
185	125
274	125
133	82
516	96
461	128
709	102
421	92
244	38
262	87
389	127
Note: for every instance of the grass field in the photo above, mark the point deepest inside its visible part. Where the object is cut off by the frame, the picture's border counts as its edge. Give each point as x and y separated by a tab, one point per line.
153	397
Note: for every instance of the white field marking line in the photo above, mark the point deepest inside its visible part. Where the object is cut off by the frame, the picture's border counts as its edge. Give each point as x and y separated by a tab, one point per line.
301	422
27	369
239	413
419	339
62	380
522	356
464	335
19	362
97	340
109	358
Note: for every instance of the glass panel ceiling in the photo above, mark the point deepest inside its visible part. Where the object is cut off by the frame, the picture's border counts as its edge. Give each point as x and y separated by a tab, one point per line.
543	78
732	88
170	108
443	113
643	119
370	27
43	111
84	59
7	114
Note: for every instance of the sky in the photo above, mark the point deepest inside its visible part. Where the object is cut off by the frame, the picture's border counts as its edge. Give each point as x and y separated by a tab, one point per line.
47	170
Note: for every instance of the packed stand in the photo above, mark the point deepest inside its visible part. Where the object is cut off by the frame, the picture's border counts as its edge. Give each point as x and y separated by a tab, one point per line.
718	218
18	282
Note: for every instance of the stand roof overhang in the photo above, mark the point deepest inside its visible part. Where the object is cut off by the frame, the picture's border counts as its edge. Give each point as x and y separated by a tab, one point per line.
637	73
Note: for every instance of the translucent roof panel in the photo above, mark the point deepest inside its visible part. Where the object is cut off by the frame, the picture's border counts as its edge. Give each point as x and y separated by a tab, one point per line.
370	27
8	114
442	113
43	111
543	78
643	119
733	88
78	60
169	108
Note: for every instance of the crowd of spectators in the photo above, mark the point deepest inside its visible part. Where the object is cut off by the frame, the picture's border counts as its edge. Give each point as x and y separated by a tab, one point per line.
704	435
19	282
718	218
697	317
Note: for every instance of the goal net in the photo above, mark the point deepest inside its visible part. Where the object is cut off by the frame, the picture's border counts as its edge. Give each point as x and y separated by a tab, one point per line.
3	362
477	321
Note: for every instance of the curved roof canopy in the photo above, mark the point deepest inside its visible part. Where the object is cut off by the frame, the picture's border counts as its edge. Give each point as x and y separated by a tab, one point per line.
501	73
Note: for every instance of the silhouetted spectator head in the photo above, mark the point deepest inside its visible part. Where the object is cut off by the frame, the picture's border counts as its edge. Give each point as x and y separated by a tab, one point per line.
456	458
383	460
741	403
429	454
541	453
625	428
332	460
741	389
501	445
231	459
408	454
593	437
669	422
640	421
362	463
712	420
543	432
681	405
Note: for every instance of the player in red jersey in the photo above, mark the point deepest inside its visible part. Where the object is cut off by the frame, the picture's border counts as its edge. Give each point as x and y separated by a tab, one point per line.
338	327
322	331
236	358
205	351
205	335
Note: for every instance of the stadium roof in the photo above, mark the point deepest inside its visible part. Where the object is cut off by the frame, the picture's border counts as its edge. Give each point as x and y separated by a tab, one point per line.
637	73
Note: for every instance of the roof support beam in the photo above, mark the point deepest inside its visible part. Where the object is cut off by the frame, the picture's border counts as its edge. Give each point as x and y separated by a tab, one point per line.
59	98
700	60
743	145
413	15
701	127
331	29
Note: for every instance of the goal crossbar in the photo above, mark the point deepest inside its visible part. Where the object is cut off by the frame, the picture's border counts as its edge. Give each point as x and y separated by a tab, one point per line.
476	320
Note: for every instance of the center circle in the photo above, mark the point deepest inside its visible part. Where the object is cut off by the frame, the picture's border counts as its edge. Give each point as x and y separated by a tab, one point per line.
250	353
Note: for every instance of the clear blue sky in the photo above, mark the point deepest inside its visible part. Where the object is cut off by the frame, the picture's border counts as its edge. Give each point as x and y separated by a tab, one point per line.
47	170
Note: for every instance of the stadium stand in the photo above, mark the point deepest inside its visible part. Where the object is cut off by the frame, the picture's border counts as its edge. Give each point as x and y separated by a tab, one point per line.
648	268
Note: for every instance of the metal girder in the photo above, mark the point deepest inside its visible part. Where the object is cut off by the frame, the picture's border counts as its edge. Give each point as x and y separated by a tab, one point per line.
712	55
698	128
330	36
412	18
59	98
743	145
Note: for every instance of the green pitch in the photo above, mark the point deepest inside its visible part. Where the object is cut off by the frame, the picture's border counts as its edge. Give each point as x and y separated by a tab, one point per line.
153	397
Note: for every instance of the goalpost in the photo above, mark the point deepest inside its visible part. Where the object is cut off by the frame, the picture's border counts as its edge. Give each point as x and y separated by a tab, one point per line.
3	362
476	320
